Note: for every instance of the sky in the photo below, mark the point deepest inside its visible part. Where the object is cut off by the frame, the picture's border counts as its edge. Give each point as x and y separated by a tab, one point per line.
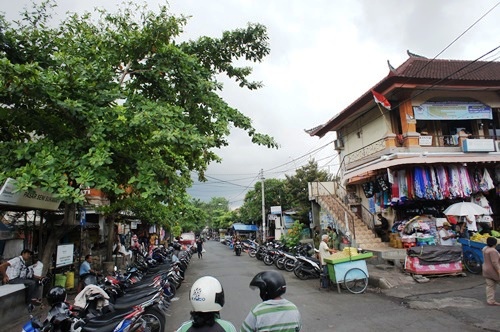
324	55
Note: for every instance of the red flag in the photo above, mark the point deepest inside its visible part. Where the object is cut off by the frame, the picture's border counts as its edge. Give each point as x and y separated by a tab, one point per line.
380	99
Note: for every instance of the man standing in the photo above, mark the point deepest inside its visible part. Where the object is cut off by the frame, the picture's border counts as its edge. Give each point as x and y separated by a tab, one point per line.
274	313
446	236
324	251
15	271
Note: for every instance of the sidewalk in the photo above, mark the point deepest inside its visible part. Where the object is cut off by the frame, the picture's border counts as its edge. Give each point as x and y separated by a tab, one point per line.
39	312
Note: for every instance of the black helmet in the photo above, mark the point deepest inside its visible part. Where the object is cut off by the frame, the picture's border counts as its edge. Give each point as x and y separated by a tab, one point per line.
271	284
56	295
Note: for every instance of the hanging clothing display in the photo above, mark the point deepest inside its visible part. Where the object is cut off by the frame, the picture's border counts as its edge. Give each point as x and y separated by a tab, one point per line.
436	182
402	185
486	183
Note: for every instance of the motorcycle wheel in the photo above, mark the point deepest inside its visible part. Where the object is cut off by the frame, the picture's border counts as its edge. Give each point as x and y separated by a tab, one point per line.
238	252
289	265
280	263
299	273
268	260
155	319
252	253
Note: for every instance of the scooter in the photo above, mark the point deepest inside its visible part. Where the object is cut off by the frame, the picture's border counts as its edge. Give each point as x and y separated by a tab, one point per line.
237	248
307	268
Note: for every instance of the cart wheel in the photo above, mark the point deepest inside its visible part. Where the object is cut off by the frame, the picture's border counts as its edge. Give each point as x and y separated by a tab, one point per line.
472	262
355	280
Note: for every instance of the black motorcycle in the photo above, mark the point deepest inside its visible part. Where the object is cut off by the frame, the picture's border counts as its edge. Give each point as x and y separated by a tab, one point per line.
237	248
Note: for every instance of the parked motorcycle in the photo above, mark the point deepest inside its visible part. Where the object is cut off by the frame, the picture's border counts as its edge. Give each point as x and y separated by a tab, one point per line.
307	268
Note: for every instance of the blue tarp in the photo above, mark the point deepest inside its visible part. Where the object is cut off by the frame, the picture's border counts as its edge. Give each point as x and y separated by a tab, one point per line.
245	228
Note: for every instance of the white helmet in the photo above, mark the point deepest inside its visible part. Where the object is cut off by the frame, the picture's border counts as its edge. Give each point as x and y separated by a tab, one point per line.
206	295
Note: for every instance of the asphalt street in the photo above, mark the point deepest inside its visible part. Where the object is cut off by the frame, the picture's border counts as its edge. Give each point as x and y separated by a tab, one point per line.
442	304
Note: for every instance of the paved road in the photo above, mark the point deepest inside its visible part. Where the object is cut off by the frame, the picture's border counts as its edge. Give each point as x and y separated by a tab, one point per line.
443	304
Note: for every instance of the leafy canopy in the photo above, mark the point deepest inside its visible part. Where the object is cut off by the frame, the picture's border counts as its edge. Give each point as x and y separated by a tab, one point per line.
113	101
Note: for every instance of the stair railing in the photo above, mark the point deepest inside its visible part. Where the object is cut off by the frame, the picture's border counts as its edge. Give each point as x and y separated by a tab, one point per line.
345	217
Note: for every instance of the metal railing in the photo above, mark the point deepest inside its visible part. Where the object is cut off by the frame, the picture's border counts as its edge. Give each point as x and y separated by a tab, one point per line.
344	217
367	217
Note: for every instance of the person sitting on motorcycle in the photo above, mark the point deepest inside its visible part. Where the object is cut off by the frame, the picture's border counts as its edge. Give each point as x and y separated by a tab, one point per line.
207	299
274	313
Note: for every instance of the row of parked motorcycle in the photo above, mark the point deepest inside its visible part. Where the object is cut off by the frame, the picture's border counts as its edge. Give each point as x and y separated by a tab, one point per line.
136	299
301	259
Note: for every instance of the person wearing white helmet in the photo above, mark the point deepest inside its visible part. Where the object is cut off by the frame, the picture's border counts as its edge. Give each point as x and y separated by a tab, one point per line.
207	299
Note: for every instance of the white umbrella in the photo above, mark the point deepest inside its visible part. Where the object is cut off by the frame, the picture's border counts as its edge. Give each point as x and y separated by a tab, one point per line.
465	209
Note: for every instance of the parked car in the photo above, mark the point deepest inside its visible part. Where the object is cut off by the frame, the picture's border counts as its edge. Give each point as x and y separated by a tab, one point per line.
187	239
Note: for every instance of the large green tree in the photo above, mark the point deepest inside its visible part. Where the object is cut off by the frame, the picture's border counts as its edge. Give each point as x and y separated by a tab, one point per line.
274	195
113	101
297	187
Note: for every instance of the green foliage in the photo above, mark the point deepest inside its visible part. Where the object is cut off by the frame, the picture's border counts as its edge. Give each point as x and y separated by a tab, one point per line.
176	230
291	194
216	213
293	235
113	101
297	187
274	195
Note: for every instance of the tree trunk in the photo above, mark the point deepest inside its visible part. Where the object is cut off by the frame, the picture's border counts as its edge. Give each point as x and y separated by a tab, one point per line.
55	233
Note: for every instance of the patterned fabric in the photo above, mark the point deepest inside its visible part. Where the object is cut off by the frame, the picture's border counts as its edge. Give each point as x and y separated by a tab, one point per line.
17	268
273	316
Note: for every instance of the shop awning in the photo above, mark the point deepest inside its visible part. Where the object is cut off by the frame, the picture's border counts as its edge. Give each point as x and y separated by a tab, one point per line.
245	228
364	171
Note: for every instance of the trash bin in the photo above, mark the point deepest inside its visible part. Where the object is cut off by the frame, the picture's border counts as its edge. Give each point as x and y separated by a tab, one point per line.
60	280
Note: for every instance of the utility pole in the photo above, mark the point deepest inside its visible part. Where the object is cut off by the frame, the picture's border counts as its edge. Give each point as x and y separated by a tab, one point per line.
263	207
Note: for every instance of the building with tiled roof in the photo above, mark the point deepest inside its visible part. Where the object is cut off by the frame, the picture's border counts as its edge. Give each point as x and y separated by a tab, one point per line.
437	143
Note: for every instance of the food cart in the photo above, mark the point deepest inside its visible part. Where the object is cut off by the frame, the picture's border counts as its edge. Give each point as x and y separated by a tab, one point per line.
433	260
351	271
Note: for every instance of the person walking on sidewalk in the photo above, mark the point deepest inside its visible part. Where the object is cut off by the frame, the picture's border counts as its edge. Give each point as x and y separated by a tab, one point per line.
491	269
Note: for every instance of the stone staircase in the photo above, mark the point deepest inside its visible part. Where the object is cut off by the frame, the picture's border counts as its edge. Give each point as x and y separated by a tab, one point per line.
361	235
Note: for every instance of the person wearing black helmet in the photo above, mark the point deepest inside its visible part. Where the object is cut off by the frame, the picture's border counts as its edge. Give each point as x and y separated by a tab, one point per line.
274	313
207	299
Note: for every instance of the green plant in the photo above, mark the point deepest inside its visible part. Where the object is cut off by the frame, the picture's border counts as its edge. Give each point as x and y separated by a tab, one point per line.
292	237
